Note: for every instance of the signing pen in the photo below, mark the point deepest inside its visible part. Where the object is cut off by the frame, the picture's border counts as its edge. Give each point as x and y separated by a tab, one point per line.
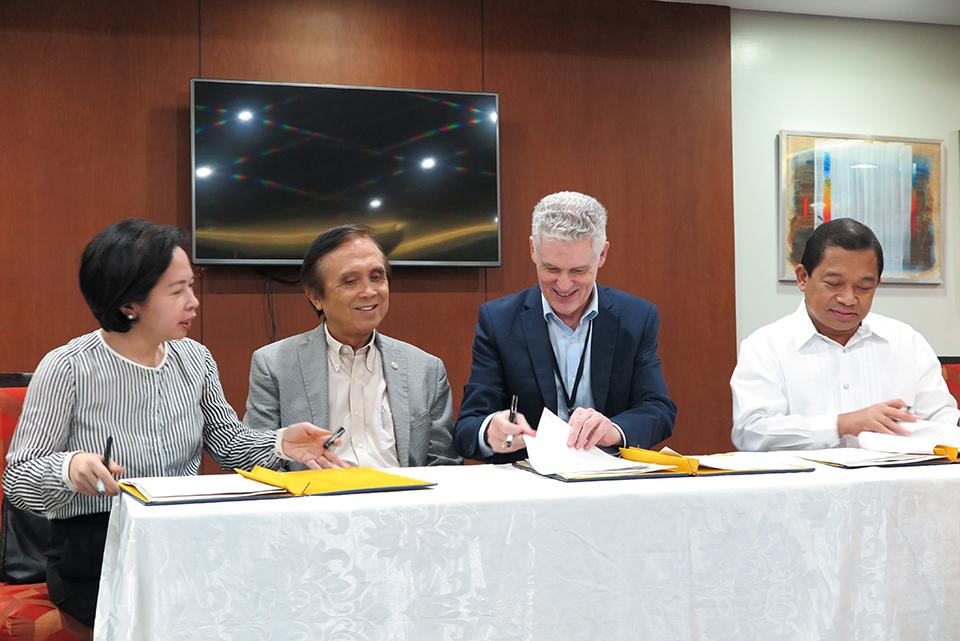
328	444
508	442
106	463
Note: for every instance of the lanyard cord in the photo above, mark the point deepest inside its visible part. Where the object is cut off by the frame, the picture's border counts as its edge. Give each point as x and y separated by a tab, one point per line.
570	399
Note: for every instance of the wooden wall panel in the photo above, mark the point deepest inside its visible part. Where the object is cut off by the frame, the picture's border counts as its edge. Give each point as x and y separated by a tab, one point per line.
629	102
411	43
91	98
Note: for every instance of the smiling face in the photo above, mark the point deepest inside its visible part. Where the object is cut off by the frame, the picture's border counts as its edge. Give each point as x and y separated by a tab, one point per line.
839	292
567	271
355	292
170	307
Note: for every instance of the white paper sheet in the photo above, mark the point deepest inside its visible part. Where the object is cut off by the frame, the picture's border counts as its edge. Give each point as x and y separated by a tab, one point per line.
857	457
923	437
549	454
745	461
165	488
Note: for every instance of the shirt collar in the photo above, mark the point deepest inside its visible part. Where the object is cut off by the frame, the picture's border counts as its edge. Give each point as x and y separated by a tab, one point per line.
589	313
336	351
805	331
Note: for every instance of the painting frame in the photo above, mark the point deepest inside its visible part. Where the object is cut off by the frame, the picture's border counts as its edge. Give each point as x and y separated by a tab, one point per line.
913	223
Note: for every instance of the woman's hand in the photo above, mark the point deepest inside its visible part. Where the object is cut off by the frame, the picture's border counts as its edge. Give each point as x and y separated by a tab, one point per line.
86	469
304	442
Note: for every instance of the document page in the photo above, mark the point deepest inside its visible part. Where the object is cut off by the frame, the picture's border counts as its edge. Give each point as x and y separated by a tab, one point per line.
858	457
923	437
747	461
169	488
549	454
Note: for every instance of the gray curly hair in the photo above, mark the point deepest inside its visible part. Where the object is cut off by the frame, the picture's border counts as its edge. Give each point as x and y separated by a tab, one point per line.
569	215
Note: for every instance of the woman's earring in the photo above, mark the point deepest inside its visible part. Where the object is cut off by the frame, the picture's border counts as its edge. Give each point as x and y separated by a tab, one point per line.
131	317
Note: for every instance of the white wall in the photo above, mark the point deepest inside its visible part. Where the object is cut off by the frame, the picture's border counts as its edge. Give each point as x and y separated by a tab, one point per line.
839	75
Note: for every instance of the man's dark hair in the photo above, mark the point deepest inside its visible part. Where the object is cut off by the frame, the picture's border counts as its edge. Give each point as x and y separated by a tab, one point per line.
121	265
311	277
845	233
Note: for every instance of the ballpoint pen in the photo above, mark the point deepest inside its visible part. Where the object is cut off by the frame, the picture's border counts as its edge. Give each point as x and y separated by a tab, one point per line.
106	463
328	444
508	442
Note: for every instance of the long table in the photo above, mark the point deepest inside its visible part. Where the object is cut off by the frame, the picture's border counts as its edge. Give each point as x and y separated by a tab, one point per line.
494	552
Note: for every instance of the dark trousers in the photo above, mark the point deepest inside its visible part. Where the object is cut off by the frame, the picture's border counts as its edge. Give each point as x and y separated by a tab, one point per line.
73	563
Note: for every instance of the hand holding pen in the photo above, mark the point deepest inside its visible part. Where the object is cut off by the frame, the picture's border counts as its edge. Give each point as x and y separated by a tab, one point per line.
508	442
313	446
92	474
506	430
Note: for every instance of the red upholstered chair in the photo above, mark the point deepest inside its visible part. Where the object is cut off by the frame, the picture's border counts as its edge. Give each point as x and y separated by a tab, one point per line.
26	612
951	373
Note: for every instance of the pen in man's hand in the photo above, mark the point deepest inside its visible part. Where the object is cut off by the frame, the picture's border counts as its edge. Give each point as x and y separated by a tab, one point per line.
106	463
508	442
328	444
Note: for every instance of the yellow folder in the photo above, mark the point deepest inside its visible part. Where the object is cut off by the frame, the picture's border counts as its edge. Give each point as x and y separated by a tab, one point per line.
334	481
692	466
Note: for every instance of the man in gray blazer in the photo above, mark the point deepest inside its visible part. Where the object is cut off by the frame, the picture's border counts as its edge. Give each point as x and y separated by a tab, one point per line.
392	399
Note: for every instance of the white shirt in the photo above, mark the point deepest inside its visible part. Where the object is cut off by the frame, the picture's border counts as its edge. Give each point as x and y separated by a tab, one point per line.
359	403
791	382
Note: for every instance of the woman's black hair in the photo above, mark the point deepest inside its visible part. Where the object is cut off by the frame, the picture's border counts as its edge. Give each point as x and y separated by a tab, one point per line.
122	264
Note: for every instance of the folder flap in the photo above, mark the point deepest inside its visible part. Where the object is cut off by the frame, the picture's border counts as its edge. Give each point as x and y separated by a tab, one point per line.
947	451
681	463
334	481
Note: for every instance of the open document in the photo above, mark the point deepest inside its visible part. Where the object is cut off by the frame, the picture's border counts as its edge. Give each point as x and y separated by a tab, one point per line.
196	489
718	464
927	442
549	455
261	483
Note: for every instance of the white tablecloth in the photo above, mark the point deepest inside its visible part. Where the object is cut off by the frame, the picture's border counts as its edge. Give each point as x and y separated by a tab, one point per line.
493	552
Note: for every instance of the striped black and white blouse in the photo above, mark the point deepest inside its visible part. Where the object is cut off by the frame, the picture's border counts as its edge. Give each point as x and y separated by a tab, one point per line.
160	419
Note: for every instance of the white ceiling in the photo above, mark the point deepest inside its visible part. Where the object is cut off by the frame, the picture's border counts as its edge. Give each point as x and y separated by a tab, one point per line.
930	11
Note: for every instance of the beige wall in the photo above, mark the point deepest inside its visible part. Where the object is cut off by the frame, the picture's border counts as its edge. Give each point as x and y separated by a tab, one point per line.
838	75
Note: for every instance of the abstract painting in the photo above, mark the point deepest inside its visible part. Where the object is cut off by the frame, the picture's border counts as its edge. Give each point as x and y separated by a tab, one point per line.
892	185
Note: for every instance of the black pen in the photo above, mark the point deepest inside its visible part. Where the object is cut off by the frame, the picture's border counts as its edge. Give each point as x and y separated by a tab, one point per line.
508	442
106	463
329	442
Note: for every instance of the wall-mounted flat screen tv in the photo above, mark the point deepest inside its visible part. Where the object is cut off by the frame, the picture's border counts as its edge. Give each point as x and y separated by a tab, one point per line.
275	164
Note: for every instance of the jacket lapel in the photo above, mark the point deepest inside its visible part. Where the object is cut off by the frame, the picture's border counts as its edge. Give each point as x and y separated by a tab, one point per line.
313	369
395	375
538	347
606	326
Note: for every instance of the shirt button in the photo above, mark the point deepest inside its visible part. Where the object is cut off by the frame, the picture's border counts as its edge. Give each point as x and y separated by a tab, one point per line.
359	444
846	386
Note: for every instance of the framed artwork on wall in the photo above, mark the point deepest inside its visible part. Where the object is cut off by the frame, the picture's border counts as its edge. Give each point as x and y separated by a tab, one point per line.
895	186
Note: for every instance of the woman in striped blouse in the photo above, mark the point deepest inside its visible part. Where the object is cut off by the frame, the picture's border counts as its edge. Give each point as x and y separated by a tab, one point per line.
141	381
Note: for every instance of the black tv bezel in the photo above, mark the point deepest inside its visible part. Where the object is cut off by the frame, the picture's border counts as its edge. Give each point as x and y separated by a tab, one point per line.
287	261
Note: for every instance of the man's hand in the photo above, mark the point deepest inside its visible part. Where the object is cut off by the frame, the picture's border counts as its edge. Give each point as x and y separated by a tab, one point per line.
588	427
303	442
500	426
881	418
86	469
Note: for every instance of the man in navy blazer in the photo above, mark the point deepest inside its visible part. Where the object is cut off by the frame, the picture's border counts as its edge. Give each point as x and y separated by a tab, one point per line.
588	353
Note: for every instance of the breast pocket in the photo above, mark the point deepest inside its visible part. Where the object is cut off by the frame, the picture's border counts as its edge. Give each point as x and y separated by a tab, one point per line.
385	420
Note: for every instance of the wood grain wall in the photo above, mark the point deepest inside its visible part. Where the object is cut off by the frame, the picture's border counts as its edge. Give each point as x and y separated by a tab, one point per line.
626	100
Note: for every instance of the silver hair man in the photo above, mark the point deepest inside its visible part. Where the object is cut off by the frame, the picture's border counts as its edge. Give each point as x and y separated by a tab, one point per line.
569	215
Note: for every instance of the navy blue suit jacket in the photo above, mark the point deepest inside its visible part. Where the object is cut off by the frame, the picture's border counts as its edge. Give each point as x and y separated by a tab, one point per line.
511	355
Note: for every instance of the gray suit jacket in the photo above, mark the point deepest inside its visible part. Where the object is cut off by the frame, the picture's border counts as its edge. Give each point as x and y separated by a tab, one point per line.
288	384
